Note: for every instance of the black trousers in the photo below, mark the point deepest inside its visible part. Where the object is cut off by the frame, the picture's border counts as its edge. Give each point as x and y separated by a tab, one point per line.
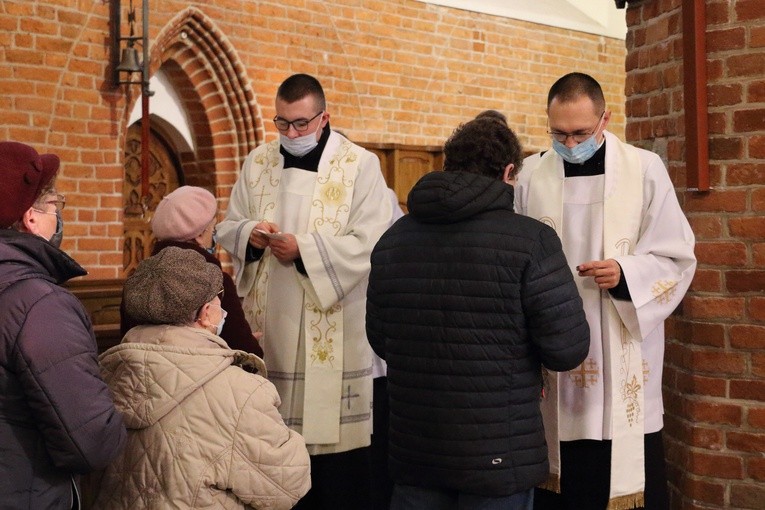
339	481
382	485
586	476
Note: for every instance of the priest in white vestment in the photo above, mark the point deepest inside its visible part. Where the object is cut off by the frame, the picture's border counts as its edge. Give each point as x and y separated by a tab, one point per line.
630	248
303	218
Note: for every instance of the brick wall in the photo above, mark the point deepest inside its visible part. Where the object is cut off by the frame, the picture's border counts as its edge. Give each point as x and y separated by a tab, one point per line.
395	72
715	366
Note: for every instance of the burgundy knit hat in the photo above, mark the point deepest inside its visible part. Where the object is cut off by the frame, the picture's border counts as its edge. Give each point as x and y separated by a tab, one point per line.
23	175
183	214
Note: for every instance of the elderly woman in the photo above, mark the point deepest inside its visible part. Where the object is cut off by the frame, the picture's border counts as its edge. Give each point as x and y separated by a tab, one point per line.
203	429
186	218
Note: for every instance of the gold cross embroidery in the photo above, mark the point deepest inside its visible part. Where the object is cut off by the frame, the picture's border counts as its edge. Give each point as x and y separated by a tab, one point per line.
586	374
663	291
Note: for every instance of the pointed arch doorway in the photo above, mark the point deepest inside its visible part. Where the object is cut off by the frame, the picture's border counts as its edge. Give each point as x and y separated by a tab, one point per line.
165	175
203	124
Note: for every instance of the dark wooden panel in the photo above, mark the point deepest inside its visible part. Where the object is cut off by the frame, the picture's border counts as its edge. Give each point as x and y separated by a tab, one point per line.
101	299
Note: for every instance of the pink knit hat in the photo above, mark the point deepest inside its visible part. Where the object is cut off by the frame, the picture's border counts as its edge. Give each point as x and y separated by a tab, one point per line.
184	214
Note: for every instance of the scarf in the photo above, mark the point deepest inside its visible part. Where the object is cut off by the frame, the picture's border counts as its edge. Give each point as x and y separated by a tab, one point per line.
323	328
622	358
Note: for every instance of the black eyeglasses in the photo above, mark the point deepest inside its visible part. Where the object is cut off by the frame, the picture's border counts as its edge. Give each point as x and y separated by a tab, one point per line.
300	125
577	137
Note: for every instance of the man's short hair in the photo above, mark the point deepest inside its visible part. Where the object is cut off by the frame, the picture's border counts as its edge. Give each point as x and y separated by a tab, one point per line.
482	146
297	86
575	85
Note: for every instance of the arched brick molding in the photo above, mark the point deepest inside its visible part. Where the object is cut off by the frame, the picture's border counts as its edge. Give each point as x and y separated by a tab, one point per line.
223	114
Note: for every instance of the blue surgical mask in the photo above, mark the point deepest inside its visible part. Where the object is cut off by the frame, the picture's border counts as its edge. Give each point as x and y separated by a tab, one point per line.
58	235
579	153
301	145
211	248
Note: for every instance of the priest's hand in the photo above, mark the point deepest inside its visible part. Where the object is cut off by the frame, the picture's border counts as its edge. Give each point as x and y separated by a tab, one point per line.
257	239
286	248
606	273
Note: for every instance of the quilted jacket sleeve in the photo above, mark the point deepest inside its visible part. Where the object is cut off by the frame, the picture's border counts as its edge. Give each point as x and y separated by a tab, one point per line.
373	321
551	302
56	359
270	467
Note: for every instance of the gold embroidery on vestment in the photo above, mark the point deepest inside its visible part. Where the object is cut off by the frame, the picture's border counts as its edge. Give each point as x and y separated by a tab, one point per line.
547	220
629	384
586	374
664	290
623	246
323	327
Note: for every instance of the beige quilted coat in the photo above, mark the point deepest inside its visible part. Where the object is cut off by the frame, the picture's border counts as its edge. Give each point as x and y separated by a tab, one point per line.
203	431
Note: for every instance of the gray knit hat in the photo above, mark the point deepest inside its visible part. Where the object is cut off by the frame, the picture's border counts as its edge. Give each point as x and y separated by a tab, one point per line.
170	287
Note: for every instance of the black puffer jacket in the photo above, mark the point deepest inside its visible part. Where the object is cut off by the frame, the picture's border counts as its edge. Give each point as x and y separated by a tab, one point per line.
466	301
57	418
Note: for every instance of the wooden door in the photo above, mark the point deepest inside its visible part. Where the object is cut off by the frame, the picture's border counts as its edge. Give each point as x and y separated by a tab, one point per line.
163	178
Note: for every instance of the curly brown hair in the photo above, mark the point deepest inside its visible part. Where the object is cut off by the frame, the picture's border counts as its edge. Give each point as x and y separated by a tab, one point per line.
482	146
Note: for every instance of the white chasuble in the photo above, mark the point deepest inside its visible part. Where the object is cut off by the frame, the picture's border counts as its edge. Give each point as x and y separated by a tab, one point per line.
314	340
629	214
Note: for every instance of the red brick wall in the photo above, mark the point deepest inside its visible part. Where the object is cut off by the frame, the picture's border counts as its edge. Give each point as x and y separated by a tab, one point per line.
395	72
715	366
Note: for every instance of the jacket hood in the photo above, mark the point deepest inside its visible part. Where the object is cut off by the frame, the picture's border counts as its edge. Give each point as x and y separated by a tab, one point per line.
29	256
450	197
156	367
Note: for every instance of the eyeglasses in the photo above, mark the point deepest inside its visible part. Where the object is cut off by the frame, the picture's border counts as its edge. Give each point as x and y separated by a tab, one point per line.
300	125
577	137
60	203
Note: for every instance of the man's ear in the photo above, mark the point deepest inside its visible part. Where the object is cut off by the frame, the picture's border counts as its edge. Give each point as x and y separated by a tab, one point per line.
508	176
606	118
203	314
30	222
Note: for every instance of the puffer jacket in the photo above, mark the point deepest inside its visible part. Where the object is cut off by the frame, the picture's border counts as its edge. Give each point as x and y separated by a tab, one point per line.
57	418
466	302
203	431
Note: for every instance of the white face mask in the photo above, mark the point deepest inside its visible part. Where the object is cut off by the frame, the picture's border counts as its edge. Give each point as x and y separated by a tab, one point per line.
301	145
219	326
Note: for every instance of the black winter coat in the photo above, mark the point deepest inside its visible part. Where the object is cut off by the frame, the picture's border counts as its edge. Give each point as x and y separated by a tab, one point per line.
57	417
467	300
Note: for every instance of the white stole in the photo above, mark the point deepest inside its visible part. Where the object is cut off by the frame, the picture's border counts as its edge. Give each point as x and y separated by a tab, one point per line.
323	329
622	209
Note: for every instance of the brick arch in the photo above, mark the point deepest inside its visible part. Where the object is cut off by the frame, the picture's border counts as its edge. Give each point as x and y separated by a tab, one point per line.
212	83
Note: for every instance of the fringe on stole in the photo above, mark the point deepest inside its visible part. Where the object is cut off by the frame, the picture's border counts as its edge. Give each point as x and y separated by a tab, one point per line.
627	502
552	484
